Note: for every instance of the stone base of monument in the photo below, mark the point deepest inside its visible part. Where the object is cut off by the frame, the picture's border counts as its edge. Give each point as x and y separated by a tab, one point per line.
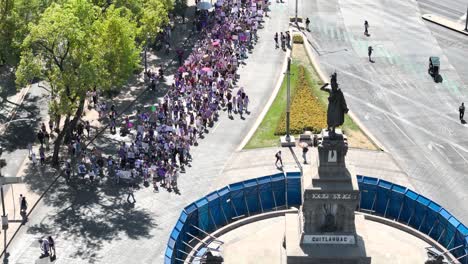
286	143
324	231
322	248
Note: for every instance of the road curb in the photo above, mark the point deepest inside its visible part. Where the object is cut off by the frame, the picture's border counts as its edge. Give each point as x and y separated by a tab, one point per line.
267	106
18	103
324	79
445	23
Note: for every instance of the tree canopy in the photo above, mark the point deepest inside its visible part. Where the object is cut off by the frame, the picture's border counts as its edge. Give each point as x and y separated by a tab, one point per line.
76	47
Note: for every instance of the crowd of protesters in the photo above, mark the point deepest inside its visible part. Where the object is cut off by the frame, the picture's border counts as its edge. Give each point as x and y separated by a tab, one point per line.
203	85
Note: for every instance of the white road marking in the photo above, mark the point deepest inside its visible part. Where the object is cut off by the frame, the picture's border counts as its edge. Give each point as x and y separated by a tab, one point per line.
466	161
462	18
413	102
409	123
401	130
217	125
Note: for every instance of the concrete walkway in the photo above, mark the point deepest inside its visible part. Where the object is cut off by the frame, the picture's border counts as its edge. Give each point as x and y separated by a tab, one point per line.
441	21
94	224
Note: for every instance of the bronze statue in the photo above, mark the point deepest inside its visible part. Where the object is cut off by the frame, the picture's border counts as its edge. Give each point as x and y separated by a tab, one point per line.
336	105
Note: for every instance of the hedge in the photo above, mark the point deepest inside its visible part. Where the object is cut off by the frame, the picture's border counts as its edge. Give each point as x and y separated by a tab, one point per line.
298	39
307	113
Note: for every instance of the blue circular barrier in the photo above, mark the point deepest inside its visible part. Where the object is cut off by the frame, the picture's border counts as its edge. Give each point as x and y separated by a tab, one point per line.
281	191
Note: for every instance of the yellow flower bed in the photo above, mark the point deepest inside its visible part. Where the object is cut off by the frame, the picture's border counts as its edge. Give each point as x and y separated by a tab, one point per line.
307	113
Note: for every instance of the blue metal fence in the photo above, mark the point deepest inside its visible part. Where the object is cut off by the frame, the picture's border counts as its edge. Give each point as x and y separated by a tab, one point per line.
406	206
281	191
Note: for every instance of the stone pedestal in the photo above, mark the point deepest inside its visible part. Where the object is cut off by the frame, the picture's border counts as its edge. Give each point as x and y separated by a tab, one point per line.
324	231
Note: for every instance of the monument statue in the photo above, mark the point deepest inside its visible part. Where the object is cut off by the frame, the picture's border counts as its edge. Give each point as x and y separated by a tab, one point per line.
336	105
324	230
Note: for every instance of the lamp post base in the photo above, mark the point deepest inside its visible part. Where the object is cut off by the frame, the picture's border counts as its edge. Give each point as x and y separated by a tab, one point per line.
287	143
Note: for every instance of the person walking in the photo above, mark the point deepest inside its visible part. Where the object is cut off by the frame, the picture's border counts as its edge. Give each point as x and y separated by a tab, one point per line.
283	41
229	108
246	104
33	158
366	27
278	158
305	149
234	103
276	40
42	155
369	53
130	194
47	140
87	127
44	246
288	39
52	251
23	204
40	136
461	109
307	24
30	150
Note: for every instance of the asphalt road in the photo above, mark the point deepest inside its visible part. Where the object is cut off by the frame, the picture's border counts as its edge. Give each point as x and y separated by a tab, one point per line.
414	118
22	129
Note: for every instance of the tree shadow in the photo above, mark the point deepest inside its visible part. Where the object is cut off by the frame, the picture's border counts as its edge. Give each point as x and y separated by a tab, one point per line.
92	215
7	81
21	130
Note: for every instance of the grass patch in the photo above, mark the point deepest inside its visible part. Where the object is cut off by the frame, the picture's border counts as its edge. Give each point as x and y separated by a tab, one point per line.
264	136
307	112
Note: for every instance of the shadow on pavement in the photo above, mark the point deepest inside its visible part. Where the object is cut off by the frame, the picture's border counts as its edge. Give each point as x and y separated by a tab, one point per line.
21	130
90	214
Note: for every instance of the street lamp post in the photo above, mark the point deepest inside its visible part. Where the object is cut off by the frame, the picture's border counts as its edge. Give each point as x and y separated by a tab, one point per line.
466	20
297	23
3	181
288	103
4	216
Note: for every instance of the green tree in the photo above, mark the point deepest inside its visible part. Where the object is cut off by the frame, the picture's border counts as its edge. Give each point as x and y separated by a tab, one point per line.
14	19
180	7
76	48
122	57
155	16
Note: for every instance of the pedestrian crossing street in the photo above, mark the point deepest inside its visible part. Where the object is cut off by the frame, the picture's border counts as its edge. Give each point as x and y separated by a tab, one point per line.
391	63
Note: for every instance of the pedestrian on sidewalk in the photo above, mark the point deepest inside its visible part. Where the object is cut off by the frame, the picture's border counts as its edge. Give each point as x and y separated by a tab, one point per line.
30	151
23	204
307	24
278	158
288	39
40	136
369	53
276	40
305	149
130	194
51	125
246	104
234	103
47	140
42	155
33	158
88	127
229	109
283	41
52	251
44	246
366	27
461	109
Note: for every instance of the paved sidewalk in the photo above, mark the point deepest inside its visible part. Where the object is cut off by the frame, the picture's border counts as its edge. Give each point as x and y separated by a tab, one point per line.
94	224
446	23
38	179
